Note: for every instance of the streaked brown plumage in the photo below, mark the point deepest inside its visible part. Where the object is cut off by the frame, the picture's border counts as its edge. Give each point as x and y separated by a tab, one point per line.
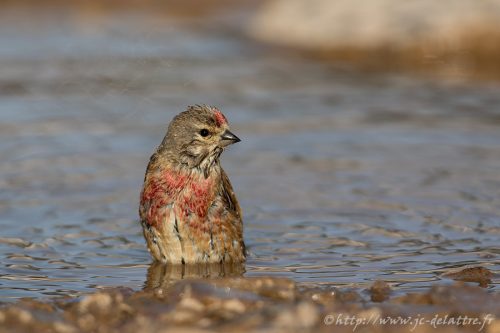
188	209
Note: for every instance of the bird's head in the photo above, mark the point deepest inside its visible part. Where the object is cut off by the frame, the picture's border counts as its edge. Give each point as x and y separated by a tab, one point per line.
196	137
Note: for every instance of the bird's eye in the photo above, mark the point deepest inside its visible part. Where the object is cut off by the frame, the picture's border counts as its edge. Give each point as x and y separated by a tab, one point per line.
204	132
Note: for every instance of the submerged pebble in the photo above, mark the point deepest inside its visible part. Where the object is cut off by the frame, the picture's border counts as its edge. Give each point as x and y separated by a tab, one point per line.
380	291
481	275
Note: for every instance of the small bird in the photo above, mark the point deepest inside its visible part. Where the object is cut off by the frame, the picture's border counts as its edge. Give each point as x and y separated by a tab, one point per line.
188	209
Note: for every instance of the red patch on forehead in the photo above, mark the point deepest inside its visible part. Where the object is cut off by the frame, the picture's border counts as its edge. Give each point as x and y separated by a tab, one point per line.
220	119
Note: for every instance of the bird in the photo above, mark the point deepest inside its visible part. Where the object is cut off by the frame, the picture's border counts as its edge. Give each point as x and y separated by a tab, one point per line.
188	209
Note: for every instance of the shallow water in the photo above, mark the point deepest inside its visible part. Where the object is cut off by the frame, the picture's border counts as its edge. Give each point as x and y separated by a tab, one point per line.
344	177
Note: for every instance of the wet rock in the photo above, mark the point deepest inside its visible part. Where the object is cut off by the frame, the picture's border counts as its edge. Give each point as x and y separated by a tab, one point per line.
102	309
320	295
60	327
95	303
304	315
380	291
478	274
274	288
21	318
191	304
245	304
330	295
215	302
348	296
460	298
20	315
36	305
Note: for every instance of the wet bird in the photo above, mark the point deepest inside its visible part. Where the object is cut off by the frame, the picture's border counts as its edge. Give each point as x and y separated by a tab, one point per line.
188	209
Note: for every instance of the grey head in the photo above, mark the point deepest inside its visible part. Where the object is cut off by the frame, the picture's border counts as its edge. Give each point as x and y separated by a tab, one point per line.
196	137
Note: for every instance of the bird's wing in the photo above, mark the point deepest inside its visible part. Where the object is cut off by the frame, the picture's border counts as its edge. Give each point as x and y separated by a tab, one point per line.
236	217
229	196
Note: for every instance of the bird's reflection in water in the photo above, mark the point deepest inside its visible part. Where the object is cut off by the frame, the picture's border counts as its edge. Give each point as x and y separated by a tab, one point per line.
163	275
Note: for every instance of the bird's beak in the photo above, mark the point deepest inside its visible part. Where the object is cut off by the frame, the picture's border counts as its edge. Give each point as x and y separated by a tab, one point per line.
227	138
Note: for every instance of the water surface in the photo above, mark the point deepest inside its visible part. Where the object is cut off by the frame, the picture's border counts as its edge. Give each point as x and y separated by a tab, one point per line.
344	177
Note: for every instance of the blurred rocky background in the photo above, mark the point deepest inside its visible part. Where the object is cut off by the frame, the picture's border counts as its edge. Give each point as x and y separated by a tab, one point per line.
457	38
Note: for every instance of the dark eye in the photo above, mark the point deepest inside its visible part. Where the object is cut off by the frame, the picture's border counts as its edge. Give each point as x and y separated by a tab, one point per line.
204	132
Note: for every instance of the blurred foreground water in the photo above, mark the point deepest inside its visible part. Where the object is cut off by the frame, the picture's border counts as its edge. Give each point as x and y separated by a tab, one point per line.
344	177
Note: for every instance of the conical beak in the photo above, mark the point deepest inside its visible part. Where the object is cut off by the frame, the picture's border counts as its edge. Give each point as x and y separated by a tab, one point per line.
227	138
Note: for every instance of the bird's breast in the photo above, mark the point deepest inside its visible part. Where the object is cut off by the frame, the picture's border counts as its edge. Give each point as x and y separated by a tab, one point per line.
190	194
197	197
